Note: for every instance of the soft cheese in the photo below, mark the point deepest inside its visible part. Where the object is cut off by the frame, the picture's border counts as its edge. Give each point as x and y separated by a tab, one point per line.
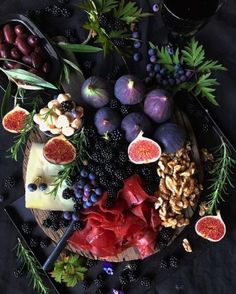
38	166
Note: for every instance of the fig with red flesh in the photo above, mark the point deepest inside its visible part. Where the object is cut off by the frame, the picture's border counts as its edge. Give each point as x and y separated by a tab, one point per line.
106	120
14	121
143	150
58	150
96	91
211	227
129	90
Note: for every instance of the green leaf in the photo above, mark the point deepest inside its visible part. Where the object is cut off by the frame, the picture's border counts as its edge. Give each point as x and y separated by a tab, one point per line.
28	78
129	12
66	73
165	58
105	6
5	99
82	48
72	65
193	54
211	65
176	58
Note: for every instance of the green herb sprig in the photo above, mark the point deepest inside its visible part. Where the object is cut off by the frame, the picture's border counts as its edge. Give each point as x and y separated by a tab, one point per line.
193	58
33	268
80	142
220	176
127	12
69	270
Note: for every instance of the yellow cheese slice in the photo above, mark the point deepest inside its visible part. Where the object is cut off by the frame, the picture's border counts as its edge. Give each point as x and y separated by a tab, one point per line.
38	166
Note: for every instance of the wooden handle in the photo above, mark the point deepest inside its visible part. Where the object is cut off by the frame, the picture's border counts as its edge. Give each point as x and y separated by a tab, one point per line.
58	249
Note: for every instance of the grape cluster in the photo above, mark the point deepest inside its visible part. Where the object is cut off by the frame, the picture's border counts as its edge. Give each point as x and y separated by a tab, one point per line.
160	74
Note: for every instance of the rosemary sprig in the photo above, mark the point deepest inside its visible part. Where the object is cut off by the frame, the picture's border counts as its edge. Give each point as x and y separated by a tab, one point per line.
33	268
80	142
221	176
21	138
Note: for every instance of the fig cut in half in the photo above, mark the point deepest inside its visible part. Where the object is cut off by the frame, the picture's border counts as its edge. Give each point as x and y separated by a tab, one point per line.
211	227
143	150
59	150
14	120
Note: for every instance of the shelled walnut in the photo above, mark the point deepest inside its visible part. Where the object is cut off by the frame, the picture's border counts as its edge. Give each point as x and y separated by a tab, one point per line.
178	188
187	246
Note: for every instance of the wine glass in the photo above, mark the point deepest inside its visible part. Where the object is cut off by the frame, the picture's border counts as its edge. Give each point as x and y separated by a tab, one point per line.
184	18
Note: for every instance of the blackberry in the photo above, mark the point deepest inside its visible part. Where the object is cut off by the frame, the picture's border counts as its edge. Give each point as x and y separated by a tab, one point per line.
111	192
146	172
55	10
77	207
67	106
123	156
150	188
173	262
133	265
118	25
79	226
120	174
68	193
99	171
99	281
109	168
45	243
90	263
85	285
133	275
90	132
123	279
161	244
119	42
124	110
100	290
116	183
63	1
64	223
27	228
66	12
205	127
33	242
19	272
163	264
130	169
104	21
9	182
55	226
145	282
38	12
97	157
114	104
166	234
47	223
116	136
104	181
107	154
99	145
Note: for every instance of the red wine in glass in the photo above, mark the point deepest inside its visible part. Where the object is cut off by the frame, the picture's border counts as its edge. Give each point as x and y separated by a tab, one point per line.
186	17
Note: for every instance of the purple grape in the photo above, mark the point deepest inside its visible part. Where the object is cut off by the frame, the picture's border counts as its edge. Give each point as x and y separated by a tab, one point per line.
157	67
153	59
43	186
92	176
183	78
32	187
94	197
81	183
189	73
155	7
67	215
158	77
85	198
87	193
87	187
178	81
94	183
171	82
88	203
79	193
163	71
84	173
98	191
148	80
176	76
135	35
170	50
181	72
152	74
149	67
152	52
177	67
85	205
164	83
75	217
137	44
74	113
137	56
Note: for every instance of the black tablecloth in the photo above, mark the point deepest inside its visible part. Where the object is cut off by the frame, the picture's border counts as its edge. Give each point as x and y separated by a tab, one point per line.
211	268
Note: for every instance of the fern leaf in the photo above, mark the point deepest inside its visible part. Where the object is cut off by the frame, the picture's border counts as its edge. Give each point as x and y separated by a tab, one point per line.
210	65
193	54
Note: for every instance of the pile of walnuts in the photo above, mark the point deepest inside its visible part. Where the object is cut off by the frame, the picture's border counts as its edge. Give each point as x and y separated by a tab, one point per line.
178	187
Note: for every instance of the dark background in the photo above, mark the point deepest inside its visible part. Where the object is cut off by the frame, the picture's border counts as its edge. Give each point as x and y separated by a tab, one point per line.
211	268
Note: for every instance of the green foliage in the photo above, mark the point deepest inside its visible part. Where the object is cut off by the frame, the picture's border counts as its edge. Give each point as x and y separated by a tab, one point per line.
33	268
79	48
69	270
193	58
220	176
80	142
128	12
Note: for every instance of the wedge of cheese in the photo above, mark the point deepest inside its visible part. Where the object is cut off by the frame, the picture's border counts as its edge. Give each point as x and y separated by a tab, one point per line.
38	166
